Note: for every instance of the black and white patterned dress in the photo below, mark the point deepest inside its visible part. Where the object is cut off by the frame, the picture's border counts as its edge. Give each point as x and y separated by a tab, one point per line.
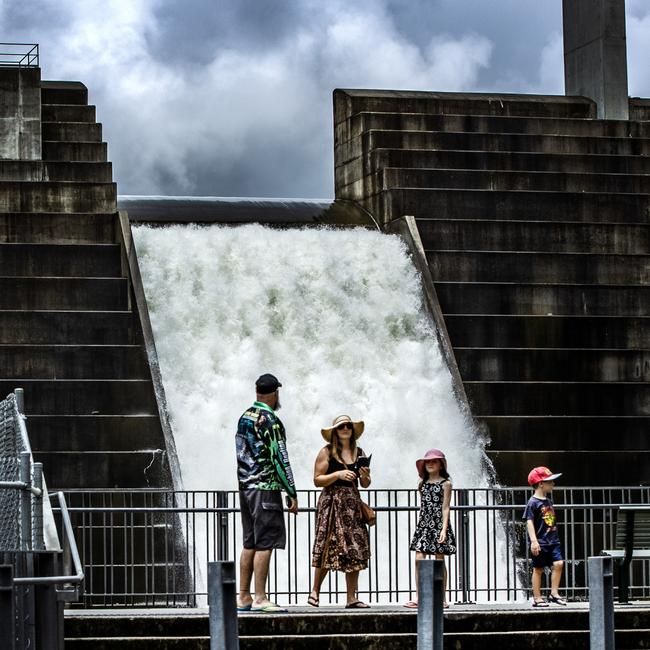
429	526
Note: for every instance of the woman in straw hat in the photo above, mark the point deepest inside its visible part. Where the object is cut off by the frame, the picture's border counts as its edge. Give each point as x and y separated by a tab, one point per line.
341	541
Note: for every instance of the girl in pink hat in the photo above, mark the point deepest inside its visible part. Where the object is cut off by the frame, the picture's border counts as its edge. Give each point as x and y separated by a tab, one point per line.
433	533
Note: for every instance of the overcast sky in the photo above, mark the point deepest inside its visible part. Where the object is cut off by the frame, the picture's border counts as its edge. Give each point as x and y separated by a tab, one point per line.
233	97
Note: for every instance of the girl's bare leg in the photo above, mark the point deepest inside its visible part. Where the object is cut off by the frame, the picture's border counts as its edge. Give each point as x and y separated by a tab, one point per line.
439	556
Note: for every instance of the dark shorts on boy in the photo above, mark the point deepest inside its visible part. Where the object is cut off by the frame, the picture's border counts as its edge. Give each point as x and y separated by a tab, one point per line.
548	554
262	517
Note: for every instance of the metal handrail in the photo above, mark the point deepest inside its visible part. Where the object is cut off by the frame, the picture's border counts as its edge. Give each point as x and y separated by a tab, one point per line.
28	59
68	531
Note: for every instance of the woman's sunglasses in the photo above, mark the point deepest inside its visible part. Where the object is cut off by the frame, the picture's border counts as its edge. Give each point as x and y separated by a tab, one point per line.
345	425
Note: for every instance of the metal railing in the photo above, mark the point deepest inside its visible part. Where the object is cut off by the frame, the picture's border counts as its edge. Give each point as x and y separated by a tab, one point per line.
19	55
152	547
21	481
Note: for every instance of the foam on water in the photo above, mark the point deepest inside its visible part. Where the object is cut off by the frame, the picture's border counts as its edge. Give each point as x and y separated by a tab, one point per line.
337	315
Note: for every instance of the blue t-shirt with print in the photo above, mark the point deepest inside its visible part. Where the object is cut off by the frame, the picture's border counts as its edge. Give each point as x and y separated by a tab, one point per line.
542	514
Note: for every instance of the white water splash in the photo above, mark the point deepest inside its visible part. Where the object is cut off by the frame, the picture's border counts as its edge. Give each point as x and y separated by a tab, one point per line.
337	315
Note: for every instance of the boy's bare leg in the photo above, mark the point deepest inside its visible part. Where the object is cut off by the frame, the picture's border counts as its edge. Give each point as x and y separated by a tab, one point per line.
538	572
556	576
246	560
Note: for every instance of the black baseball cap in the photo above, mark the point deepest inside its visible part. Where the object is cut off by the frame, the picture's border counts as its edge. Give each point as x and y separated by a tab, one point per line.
266	384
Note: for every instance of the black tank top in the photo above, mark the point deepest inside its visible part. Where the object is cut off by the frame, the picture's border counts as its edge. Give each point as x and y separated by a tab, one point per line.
336	466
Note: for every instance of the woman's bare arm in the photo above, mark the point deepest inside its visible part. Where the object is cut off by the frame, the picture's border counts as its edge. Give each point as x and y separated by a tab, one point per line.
321	479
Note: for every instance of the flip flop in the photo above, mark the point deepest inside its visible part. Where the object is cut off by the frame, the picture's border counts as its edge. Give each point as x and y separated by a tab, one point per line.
357	604
270	608
313	601
411	604
244	608
540	603
558	600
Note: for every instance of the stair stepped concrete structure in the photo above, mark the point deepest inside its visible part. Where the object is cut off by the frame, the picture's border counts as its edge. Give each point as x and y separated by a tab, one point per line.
466	628
535	220
69	333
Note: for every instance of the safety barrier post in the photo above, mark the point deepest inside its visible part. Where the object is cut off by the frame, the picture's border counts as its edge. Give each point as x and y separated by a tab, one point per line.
25	477
601	603
222	601
37	479
431	596
7	607
462	499
222	526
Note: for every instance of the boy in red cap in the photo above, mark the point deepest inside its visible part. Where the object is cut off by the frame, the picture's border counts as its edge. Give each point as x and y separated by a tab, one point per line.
542	532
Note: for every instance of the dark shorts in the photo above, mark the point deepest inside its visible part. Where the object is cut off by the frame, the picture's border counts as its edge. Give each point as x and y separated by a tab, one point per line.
262	517
547	556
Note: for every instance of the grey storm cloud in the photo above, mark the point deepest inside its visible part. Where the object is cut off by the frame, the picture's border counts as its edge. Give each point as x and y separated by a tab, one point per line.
233	97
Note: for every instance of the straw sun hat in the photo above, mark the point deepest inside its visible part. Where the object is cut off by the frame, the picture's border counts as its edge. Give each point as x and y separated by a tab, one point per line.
357	427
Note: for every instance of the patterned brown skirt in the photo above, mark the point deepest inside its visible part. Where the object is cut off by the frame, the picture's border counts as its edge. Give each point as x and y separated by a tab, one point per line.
341	539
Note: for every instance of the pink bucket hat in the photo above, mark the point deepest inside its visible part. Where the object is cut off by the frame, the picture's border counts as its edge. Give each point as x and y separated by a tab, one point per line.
430	455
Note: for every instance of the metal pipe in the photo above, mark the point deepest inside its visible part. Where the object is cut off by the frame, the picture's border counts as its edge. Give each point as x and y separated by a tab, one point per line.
25	501
601	603
224	634
78	577
430	604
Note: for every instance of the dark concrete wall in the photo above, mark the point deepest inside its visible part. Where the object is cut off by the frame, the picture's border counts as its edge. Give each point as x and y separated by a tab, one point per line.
535	222
20	113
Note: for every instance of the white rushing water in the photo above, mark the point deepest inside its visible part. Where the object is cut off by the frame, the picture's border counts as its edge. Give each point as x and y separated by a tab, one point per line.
336	315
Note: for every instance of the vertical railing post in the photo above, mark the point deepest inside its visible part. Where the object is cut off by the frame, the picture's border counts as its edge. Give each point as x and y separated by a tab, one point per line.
25	473
462	498
222	527
37	501
431	596
601	603
222	602
7	608
20	400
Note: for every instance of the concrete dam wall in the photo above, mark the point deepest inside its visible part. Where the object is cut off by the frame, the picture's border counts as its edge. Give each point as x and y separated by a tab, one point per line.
534	219
532	216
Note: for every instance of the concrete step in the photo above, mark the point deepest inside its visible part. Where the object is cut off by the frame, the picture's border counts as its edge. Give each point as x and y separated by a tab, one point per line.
64	260
36	170
73	362
507	180
75	151
349	102
498	331
543	299
507	142
94	432
555	237
543	364
507	161
568	432
558	398
106	294
26	196
516	205
537	267
63	327
72	131
63	92
57	228
85	396
578	467
67	113
366	121
104	469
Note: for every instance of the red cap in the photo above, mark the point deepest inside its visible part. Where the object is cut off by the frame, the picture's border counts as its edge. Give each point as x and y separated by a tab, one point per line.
540	474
